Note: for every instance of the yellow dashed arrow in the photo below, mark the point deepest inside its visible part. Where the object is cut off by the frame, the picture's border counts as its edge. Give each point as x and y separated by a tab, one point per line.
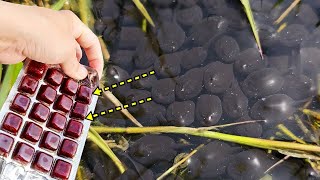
91	115
98	91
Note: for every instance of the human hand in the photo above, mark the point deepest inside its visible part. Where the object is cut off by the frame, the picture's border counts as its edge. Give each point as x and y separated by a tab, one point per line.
48	36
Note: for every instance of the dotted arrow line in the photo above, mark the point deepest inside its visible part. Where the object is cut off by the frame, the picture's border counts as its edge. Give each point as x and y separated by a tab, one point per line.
91	115
98	91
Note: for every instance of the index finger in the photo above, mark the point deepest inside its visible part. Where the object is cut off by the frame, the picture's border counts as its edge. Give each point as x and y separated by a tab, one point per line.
90	43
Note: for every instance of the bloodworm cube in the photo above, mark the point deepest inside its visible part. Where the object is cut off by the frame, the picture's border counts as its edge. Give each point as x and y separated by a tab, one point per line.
43	127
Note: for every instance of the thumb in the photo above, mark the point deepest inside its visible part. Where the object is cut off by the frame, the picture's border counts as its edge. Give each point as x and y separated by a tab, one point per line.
74	69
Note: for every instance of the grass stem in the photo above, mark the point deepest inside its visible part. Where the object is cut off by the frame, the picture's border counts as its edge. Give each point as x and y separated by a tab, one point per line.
116	102
58	5
249	141
97	139
143	11
287	11
230	124
287	132
167	172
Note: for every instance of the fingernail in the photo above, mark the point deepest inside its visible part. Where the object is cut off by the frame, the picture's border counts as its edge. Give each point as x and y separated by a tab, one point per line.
83	72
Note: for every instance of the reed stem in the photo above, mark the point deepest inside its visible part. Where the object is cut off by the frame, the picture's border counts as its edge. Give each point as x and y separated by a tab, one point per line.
249	141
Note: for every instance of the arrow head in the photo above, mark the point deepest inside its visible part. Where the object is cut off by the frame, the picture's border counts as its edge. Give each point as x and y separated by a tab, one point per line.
97	92
89	117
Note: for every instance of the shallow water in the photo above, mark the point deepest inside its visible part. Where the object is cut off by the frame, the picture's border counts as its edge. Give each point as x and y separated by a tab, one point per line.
208	72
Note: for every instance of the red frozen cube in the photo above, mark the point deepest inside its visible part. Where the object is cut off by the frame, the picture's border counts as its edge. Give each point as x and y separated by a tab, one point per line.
68	148
39	112
54	77
57	121
23	153
69	87
63	103
84	94
28	85
6	143
12	123
79	110
32	132
61	169
74	129
50	141
36	69
47	94
20	103
43	162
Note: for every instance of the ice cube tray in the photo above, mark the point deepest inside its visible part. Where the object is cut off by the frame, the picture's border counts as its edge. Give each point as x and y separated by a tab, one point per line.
43	127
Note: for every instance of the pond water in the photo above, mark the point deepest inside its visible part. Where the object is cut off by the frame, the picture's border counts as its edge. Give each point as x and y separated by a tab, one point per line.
208	71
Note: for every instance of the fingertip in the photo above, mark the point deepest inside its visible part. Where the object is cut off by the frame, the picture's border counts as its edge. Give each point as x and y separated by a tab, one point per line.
74	69
82	72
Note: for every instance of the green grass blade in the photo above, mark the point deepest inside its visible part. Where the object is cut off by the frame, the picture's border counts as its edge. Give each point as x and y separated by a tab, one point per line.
1	68
143	10
97	139
58	5
8	80
248	11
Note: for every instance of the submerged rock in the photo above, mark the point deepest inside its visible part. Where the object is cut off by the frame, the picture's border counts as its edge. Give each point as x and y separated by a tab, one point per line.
293	35
170	36
151	114
210	5
146	82
146	54
235	103
164	14
180	113
274	109
190	84
226	48
281	63
123	58
249	129
262	83
210	161
209	28
187	3
249	165
163	91
189	16
115	74
248	61
208	109
307	15
299	87
218	77
134	95
163	3
193	57
152	149
168	65
130	37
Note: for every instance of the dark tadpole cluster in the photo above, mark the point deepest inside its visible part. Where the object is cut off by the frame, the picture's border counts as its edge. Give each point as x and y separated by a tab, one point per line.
209	71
